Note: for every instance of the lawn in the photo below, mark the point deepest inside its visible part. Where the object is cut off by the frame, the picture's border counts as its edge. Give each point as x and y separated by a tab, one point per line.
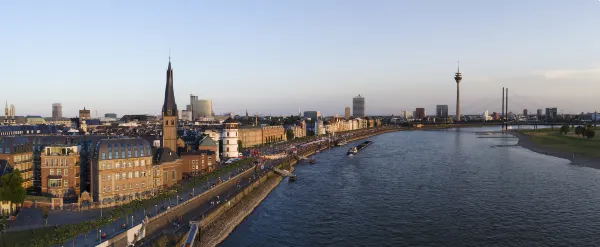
567	143
23	238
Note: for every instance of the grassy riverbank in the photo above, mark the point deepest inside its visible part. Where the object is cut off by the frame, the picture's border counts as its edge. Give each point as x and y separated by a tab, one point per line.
569	143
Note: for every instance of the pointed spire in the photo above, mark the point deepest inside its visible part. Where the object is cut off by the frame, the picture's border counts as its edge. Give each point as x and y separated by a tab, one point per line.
458	69
169	107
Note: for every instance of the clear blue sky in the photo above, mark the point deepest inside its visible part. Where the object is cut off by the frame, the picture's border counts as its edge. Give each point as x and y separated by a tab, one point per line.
278	56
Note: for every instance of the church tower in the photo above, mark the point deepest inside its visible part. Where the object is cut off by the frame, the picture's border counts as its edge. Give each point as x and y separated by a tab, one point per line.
169	114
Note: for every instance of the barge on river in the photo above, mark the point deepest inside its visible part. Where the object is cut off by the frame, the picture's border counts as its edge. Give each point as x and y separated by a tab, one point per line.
355	150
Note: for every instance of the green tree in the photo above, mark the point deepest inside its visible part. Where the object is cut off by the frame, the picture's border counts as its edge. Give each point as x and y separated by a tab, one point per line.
12	189
45	214
590	133
289	134
564	129
579	130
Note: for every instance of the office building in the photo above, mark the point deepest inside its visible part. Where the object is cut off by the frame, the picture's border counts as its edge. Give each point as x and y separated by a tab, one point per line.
551	113
441	111
358	106
406	114
347	113
313	115
540	113
56	110
200	108
420	113
110	115
525	112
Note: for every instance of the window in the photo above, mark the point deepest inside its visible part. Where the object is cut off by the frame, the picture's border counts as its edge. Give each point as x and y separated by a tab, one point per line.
66	162
143	163
172	122
54	183
141	151
108	166
228	134
117	153
109	188
58	171
130	174
135	154
143	185
227	142
103	166
109	151
143	174
137	186
130	186
173	174
166	122
117	188
227	149
103	156
137	174
129	150
129	164
124	175
66	183
108	177
117	165
124	186
46	163
66	172
117	176
51	172
103	178
60	162
137	163
104	189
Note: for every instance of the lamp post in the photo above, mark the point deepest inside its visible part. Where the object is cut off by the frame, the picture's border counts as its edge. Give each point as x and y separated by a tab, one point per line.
100	235
193	191
156	207
132	221
177	202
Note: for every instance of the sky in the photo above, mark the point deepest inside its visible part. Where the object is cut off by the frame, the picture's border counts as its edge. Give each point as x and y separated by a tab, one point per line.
278	57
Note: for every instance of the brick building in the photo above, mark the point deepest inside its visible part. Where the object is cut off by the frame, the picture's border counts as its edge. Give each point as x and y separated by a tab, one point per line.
60	171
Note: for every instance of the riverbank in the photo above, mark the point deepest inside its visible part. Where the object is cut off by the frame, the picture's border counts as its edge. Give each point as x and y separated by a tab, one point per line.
526	141
220	228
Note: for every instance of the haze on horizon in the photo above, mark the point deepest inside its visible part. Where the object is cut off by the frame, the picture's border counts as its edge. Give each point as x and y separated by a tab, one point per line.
275	57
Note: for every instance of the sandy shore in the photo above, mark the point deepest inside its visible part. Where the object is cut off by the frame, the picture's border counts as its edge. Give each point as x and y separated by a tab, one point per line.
580	160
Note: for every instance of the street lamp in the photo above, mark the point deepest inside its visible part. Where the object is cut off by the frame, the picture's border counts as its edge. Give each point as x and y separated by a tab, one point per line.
100	210
156	206
177	202
193	191
100	235
132	221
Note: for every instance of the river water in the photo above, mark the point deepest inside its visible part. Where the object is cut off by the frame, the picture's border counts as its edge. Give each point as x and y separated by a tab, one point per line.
430	188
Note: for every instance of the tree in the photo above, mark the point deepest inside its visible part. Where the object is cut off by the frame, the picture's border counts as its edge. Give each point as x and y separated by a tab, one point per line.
564	129
579	131
590	133
12	189
45	214
289	134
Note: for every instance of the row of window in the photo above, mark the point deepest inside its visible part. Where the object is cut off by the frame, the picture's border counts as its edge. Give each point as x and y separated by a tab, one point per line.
57	183
56	162
123	187
125	151
58	172
23	157
124	175
107	166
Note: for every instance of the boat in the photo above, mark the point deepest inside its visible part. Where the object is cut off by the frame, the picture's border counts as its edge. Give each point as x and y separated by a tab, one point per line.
313	161
292	178
355	150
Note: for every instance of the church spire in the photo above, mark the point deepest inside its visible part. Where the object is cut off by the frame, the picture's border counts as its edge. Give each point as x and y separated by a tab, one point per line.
169	107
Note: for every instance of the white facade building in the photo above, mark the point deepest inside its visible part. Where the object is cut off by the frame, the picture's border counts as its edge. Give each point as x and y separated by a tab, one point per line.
230	138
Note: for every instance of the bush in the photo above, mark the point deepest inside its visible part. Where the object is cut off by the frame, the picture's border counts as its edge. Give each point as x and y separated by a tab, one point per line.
579	130
564	129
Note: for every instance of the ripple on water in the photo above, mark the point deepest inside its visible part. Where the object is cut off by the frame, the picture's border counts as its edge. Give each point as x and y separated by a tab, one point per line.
430	188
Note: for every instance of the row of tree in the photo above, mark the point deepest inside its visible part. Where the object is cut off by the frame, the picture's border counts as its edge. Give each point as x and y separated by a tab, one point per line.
583	131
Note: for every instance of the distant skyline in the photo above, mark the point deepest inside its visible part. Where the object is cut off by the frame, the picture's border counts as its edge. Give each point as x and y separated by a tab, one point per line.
274	57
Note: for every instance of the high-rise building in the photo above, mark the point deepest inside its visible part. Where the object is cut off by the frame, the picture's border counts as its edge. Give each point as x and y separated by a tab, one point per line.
458	78
200	108
441	111
347	113
110	115
169	114
525	112
358	106
313	115
540	112
406	114
56	110
551	113
419	113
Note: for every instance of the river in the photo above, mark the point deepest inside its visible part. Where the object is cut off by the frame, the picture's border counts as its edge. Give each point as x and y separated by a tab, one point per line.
430	188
